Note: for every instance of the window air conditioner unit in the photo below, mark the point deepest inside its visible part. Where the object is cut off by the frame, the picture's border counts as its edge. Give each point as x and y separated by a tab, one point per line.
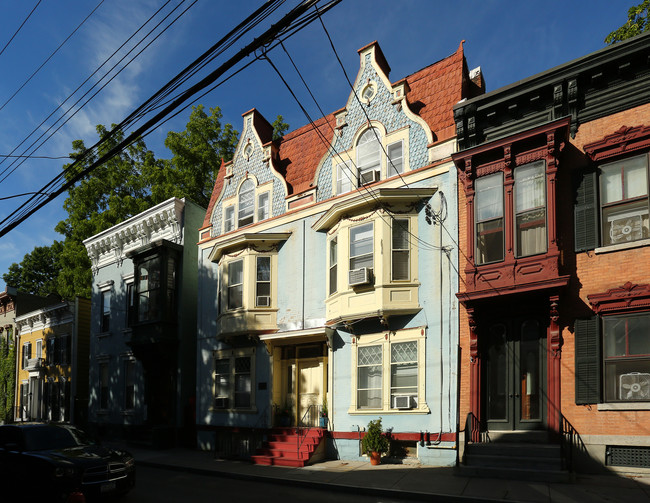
369	177
634	386
359	276
402	402
221	403
263	301
626	227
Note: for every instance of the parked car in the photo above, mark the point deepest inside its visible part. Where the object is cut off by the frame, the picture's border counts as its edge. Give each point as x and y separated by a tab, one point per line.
48	462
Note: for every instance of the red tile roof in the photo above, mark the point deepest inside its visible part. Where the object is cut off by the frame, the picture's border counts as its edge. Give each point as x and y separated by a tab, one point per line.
434	91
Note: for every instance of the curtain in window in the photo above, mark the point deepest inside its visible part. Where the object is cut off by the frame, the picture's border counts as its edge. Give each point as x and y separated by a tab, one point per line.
489	218
369	361
263	281
530	209
235	284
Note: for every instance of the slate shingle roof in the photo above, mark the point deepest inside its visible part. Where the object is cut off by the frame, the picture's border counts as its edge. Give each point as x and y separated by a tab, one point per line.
434	90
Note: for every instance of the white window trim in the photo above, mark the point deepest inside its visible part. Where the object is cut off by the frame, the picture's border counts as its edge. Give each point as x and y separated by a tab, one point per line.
232	354
385	339
249	281
233	202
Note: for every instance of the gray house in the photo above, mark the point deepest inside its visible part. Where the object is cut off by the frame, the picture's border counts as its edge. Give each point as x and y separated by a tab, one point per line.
142	348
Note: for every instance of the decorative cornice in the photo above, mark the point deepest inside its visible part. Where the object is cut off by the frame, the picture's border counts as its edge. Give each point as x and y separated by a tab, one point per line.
163	221
627	297
45	317
624	141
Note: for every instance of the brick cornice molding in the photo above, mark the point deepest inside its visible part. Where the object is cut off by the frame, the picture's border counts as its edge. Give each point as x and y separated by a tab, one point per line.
628	297
623	141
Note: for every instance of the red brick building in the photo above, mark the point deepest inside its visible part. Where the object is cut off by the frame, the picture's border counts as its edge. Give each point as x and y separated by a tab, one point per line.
555	253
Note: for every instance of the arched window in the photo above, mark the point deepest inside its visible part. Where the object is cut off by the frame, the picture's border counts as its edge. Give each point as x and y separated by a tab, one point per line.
246	203
369	156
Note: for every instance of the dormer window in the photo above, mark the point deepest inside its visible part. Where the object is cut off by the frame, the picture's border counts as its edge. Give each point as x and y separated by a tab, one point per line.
246	203
369	156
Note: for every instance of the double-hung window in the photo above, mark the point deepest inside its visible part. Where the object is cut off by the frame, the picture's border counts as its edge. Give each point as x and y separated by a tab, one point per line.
262	206
235	284
400	254
530	209
103	386
246	203
346	178
106	311
233	379
624	200
403	373
361	246
395	159
333	269
229	219
263	282
27	354
129	384
369	377
613	358
369	156
490	239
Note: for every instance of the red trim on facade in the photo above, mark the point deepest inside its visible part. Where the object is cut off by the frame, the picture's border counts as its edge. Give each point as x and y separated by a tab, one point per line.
629	297
407	437
553	357
624	141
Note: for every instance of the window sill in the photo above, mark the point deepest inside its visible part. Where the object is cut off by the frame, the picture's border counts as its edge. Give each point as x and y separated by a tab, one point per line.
366	412
101	335
622	246
624	406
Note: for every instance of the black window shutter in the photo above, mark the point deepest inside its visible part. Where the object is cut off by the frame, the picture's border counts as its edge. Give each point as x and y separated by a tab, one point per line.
588	361
585	212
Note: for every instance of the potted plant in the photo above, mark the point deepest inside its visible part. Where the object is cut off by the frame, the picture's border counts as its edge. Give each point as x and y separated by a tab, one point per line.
374	442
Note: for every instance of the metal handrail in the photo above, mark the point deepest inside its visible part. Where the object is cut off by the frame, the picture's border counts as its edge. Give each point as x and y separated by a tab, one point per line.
569	441
307	423
472	431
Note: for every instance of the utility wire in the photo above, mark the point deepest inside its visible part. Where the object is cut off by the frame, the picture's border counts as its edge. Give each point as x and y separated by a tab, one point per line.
78	109
50	56
282	26
37	128
20	27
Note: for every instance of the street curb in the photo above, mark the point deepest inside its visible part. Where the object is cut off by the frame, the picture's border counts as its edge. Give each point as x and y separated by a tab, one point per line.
370	491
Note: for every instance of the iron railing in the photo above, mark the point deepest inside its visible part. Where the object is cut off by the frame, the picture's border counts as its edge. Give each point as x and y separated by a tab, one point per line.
472	431
570	443
310	419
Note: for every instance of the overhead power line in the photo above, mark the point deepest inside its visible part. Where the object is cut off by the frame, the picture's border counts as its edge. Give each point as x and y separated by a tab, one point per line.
286	24
20	27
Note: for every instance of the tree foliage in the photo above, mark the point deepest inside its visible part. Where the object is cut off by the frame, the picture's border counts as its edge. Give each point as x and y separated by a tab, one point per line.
279	127
197	155
637	23
37	272
7	379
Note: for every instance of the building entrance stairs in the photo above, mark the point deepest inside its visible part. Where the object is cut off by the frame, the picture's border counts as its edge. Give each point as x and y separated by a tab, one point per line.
285	447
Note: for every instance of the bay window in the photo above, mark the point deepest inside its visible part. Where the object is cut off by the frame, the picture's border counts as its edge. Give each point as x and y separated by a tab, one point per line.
263	282
333	269
530	209
489	219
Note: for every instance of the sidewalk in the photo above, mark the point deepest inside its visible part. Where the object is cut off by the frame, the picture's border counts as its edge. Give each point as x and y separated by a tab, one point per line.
407	481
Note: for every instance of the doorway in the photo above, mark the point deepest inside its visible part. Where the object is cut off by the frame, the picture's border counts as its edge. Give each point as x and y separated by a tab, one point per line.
515	374
310	387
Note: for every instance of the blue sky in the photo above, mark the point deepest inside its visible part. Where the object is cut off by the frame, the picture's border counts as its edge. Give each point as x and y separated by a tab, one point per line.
509	40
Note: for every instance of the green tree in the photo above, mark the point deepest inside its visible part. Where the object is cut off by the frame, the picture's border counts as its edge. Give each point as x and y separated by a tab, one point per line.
279	127
197	155
637	23
37	272
7	380
115	191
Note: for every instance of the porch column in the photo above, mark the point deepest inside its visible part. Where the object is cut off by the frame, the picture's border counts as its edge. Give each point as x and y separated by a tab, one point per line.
475	372
554	354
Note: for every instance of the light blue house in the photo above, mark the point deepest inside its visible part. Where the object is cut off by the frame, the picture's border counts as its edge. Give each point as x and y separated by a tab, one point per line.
143	319
327	276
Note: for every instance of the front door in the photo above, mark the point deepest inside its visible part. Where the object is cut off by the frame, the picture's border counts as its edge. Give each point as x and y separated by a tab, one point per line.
515	379
310	387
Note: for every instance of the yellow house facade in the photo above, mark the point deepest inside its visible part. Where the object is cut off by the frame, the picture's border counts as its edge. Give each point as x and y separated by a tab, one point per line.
52	363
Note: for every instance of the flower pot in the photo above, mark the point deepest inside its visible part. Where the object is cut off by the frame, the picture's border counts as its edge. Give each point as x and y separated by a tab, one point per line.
375	458
323	422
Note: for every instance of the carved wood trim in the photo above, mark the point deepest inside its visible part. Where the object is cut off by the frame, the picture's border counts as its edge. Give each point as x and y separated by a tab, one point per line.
623	141
627	297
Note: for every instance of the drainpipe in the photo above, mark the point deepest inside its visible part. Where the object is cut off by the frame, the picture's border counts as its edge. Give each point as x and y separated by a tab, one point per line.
303	273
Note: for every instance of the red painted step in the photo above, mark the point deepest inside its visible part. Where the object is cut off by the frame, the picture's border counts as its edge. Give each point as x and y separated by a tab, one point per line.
281	448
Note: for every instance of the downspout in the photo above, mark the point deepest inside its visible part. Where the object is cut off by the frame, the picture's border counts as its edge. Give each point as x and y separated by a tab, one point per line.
303	272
